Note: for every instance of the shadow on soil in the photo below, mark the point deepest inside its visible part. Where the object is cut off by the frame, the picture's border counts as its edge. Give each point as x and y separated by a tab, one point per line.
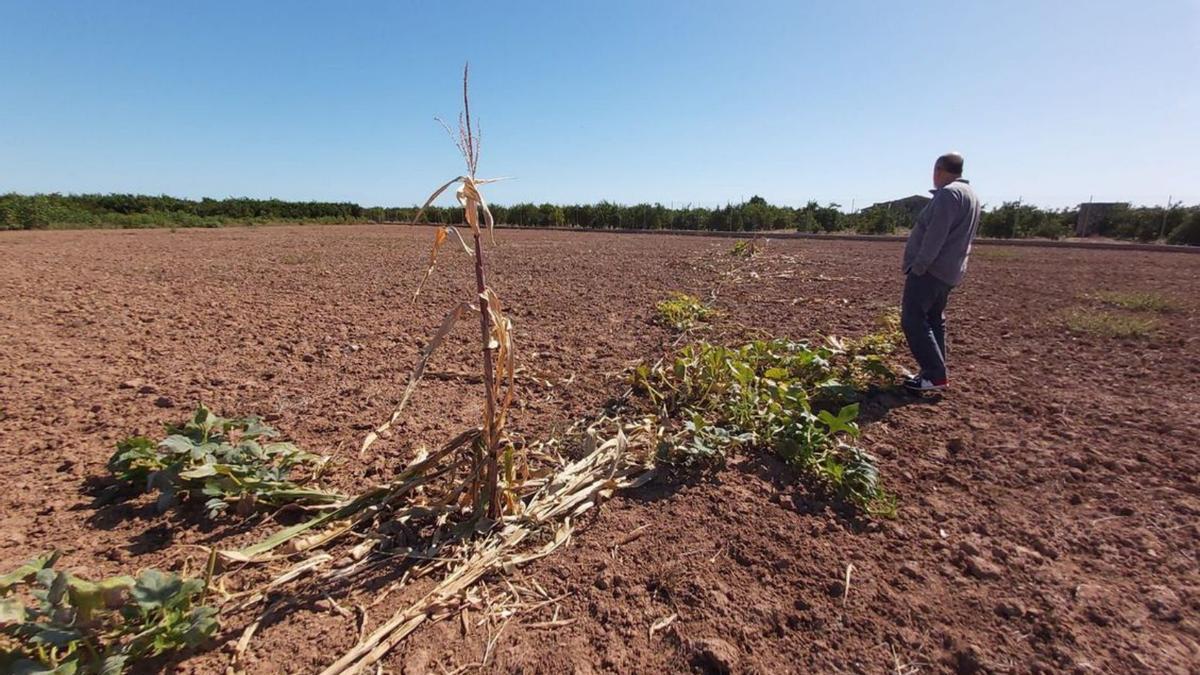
797	491
877	404
115	506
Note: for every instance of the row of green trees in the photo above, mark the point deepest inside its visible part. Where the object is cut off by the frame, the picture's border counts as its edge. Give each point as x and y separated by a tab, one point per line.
27	212
1176	224
753	215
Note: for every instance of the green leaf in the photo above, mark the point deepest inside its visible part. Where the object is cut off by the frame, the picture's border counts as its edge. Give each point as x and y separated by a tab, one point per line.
777	374
848	413
29	570
743	373
199	457
114	664
57	587
255	429
177	444
56	636
155	589
843	422
202	471
200	624
205	421
89	597
28	667
134	457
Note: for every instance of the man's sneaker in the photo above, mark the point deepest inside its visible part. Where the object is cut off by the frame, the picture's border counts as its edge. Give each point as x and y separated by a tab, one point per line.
919	384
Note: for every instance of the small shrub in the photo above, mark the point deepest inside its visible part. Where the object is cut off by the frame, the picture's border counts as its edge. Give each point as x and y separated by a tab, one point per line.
56	623
1108	324
1187	232
224	459
682	311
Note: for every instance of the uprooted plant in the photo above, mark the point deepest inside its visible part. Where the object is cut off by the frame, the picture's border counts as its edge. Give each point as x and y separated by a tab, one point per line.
56	623
789	397
231	461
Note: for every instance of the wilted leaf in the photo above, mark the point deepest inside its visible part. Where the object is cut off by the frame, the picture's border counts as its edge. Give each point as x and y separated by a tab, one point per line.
12	612
29	570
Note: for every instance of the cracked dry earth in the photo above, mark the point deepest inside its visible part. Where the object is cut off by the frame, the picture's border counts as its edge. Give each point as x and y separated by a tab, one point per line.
1048	502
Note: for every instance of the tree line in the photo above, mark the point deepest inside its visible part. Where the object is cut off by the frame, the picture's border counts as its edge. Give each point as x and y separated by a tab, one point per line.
1175	224
41	211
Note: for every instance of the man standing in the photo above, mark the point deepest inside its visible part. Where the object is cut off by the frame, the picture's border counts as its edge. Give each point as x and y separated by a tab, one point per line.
935	260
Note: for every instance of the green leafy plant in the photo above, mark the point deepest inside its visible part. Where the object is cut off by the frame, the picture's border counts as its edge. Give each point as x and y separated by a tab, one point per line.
1137	300
229	460
789	397
682	311
746	248
1108	324
53	622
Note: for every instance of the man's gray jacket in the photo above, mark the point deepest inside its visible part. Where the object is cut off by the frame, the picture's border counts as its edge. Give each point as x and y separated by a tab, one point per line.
941	238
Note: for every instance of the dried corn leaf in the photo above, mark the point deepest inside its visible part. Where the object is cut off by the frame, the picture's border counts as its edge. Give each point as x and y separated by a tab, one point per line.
438	239
436	193
448	322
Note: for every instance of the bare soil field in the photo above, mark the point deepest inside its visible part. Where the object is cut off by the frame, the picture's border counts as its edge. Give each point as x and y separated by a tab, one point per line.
1048	503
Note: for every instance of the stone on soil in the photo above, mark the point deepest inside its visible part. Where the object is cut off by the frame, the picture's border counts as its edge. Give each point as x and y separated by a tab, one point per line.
715	655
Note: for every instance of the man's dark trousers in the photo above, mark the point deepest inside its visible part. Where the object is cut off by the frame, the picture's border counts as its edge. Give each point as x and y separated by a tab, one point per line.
923	318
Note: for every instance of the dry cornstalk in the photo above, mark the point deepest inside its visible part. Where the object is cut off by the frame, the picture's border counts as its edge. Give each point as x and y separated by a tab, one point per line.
495	328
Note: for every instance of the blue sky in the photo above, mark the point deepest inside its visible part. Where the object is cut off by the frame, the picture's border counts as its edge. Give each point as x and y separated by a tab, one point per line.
676	102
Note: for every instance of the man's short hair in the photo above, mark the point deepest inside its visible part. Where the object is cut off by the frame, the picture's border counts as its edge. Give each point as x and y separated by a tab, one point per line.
951	162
